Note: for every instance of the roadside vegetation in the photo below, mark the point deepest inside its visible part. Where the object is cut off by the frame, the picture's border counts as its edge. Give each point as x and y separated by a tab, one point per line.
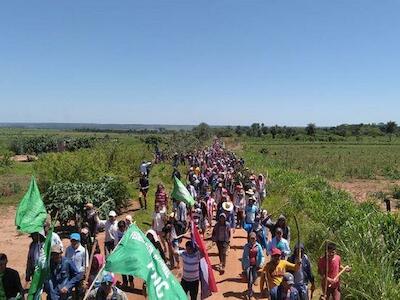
367	238
298	160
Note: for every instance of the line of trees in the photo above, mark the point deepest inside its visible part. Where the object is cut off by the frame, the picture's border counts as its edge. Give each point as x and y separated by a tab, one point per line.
311	131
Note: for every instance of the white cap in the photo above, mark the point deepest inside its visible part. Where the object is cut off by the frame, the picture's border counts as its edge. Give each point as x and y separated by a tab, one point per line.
112	213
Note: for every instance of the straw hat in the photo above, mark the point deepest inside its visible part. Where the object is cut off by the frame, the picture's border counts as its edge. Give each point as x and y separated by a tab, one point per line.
250	192
228	206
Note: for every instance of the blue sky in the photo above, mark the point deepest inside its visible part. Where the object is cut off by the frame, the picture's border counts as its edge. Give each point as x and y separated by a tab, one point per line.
183	62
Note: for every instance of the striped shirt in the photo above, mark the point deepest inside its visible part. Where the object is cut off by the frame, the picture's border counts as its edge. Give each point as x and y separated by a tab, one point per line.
191	263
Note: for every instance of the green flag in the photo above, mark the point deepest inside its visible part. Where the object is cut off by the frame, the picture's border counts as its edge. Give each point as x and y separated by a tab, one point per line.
42	269
180	192
136	255
31	212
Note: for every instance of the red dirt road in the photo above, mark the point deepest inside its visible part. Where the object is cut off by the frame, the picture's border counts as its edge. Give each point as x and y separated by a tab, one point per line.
230	285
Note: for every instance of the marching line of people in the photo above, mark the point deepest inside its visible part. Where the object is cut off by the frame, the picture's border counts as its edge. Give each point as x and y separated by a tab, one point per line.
228	197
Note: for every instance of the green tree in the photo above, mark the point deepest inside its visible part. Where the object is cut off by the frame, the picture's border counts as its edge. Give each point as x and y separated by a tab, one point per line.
390	128
202	131
311	129
274	131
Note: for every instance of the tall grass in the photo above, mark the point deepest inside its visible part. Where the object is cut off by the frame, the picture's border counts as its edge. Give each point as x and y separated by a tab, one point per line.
368	239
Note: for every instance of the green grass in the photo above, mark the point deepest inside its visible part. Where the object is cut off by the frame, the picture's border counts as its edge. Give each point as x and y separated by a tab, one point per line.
332	161
17	179
367	238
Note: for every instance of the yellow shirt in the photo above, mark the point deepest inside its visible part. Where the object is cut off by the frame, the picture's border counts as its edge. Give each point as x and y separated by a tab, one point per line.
275	276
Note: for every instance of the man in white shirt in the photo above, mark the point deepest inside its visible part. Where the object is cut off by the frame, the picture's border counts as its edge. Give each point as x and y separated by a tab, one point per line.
55	238
144	167
77	253
111	231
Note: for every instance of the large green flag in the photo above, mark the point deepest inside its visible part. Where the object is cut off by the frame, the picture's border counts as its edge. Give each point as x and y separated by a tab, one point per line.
31	212
180	192
136	255
42	270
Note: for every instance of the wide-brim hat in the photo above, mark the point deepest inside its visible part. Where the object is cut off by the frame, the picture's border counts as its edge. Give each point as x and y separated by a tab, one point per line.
228	206
250	192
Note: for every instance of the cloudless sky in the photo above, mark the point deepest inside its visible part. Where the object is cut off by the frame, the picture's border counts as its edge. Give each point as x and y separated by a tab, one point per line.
182	62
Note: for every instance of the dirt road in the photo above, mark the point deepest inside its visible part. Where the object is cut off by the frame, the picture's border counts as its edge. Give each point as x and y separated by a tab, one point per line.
230	285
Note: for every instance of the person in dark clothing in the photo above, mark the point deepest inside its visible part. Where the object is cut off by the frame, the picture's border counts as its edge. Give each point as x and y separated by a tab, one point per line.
143	188
10	282
91	218
285	291
64	276
176	173
304	275
388	206
153	238
280	223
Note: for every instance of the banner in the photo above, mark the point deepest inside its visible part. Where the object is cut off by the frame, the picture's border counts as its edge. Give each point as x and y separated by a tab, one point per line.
136	255
181	193
31	212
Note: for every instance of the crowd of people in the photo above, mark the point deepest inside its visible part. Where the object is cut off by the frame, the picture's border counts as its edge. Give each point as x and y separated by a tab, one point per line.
228	197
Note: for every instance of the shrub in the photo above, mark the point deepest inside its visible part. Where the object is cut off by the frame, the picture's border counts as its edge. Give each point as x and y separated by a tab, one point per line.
69	198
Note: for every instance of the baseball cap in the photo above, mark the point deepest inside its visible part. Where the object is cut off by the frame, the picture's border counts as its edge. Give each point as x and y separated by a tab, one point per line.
107	278
288	278
222	215
112	213
75	236
276	251
56	249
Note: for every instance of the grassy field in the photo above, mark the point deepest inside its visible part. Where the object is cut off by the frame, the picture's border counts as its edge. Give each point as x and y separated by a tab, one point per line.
298	173
366	237
362	160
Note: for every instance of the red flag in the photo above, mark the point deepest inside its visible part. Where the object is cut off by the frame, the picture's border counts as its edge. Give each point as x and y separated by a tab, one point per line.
208	284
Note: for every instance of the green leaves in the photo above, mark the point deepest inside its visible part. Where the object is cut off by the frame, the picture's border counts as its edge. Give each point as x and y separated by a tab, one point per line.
69	198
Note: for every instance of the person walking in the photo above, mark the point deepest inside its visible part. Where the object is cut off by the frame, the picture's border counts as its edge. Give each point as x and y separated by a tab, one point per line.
191	270
158	224
63	277
279	242
90	217
286	290
34	253
161	198
252	261
304	275
111	231
221	235
273	271
77	253
143	189
10	282
107	290
332	280
251	211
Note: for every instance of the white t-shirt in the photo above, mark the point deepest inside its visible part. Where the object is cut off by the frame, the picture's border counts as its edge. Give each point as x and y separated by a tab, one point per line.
79	257
158	224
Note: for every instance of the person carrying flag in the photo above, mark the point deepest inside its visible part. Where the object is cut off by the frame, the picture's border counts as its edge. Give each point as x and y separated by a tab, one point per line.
64	276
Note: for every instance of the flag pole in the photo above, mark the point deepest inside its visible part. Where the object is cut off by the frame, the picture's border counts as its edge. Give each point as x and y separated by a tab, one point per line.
100	271
94	281
87	271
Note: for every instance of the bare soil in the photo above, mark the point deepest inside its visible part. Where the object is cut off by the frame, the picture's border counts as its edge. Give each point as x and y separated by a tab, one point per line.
231	284
361	189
